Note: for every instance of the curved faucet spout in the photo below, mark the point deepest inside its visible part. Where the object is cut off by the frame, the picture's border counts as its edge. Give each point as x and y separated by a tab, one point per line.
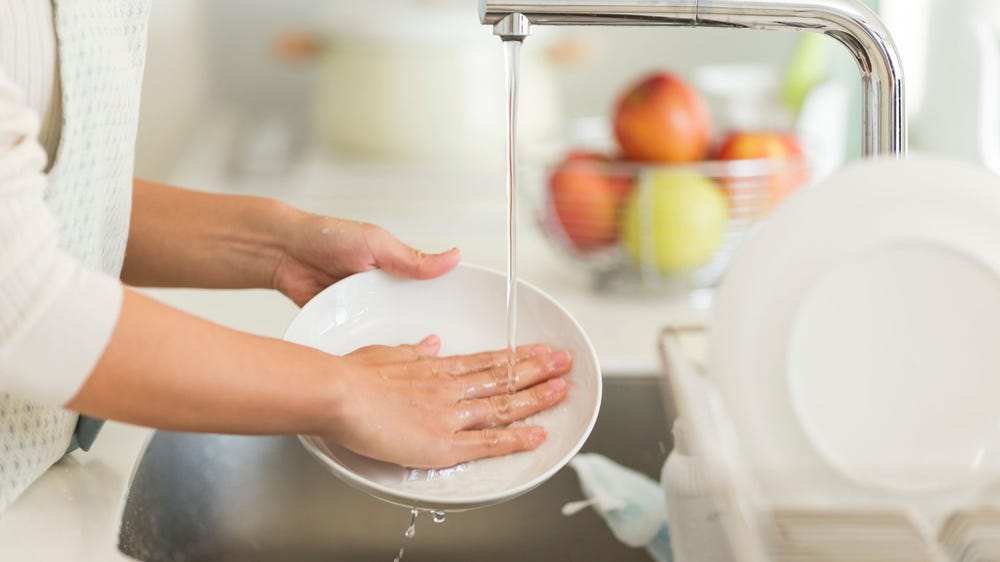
849	21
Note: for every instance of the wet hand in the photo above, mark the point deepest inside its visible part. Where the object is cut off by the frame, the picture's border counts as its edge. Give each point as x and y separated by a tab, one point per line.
322	250
408	406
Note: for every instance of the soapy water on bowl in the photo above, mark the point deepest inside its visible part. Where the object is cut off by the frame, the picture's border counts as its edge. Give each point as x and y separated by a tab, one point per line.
487	476
421	475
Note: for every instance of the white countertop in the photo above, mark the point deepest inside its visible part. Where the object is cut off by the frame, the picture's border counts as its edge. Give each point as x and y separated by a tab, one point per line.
71	513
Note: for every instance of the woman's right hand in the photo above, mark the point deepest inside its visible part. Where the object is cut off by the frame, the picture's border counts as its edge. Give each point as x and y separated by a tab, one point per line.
408	406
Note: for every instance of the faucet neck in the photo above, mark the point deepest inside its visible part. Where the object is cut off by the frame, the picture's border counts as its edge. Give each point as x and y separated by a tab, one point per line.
849	21
857	28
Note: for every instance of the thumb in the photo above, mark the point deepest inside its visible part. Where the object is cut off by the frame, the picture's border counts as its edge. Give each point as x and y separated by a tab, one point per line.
400	259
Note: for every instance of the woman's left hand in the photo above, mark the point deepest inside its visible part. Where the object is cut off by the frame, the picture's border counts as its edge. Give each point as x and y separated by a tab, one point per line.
323	250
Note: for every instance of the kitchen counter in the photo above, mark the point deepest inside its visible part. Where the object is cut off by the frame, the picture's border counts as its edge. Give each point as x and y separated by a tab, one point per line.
71	513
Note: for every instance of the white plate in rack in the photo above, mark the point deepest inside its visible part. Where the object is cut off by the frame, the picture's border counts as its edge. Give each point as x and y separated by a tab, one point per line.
856	338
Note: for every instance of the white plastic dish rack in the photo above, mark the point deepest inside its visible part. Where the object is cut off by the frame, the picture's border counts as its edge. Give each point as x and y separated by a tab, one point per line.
754	530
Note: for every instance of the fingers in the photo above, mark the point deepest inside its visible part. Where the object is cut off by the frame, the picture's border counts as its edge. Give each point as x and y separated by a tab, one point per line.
527	373
399	259
386	354
503	409
465	364
411	354
479	444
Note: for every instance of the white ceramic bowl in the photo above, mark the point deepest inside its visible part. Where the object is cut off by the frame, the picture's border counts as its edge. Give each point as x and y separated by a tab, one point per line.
466	308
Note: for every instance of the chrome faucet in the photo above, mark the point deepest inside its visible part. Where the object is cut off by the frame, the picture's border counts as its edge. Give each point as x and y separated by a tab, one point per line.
849	21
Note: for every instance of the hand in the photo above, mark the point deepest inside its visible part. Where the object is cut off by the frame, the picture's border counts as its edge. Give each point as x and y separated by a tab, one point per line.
323	250
407	406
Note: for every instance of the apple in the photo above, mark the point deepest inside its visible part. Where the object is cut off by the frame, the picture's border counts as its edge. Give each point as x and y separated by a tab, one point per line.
677	218
750	145
662	119
585	197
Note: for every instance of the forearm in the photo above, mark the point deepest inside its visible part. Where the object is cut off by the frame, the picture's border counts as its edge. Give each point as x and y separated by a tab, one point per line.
184	238
166	369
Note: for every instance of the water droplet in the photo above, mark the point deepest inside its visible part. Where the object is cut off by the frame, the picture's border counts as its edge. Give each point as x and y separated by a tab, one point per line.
438	516
412	529
398	556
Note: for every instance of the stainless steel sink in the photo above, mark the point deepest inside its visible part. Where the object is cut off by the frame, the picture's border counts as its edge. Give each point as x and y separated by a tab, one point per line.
224	498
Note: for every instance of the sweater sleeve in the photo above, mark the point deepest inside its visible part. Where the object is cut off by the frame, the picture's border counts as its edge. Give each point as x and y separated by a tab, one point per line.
56	316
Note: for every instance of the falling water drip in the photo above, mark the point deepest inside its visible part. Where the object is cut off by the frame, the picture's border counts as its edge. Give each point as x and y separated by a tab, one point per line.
412	529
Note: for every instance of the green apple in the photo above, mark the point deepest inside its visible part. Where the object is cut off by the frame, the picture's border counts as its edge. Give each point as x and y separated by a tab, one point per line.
677	218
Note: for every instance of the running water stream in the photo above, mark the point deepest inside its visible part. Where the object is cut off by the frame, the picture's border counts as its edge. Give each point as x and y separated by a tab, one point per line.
512	54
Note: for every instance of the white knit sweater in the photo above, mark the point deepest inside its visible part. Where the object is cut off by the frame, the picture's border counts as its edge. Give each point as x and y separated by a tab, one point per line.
62	235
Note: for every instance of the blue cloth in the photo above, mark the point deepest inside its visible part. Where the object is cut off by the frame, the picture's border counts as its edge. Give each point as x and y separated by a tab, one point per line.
85	434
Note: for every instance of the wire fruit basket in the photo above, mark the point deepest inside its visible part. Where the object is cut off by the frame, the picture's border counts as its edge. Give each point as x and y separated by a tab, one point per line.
660	227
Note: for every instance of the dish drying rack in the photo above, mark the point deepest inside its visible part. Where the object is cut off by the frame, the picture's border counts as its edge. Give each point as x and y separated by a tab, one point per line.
754	530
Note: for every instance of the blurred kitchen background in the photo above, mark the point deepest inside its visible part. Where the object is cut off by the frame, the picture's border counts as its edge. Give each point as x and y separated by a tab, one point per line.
391	111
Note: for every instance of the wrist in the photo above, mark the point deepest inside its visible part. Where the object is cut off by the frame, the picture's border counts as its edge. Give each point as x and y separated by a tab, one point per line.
326	399
273	225
281	222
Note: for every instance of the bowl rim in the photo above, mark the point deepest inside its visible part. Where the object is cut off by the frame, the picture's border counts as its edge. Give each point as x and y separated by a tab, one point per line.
315	444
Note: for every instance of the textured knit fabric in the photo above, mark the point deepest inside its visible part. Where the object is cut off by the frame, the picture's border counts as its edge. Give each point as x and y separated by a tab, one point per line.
62	241
29	61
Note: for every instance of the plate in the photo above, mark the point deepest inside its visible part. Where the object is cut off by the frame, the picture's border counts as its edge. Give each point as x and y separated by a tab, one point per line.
854	339
467	309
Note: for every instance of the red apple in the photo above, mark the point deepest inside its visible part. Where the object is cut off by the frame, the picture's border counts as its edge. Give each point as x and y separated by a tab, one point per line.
585	198
662	119
782	148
